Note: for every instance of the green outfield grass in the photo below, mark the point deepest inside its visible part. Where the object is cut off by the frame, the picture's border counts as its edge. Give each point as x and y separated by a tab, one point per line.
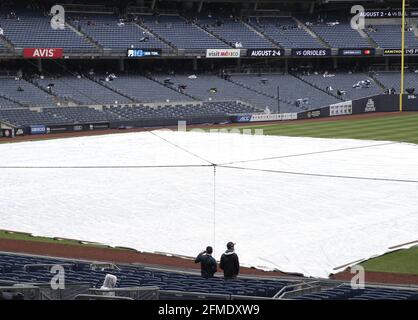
402	261
28	237
397	127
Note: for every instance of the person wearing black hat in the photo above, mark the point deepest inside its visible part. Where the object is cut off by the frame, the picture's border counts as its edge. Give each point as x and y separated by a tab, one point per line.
230	262
207	263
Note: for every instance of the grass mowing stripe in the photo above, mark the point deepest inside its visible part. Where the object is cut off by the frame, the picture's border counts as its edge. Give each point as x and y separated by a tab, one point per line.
413	119
392	128
348	126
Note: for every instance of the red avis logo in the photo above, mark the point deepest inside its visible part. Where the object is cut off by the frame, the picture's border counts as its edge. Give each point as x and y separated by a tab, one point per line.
43	53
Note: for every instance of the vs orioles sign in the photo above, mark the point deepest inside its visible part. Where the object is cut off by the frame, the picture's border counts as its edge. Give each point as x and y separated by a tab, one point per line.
43	53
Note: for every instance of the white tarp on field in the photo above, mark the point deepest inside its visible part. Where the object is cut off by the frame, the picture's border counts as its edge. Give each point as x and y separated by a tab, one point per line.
296	204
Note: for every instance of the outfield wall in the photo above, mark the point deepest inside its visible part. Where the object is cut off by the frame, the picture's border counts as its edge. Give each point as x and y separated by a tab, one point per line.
379	103
167	122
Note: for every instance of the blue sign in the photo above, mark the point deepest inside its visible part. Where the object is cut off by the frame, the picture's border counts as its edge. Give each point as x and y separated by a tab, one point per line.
141	53
38	129
245	118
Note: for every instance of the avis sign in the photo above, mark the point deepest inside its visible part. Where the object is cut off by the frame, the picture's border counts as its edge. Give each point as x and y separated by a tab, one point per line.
43	53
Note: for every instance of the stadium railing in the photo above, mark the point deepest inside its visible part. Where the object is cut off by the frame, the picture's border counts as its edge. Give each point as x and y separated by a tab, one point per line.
30	292
298	289
134	293
182	295
96	297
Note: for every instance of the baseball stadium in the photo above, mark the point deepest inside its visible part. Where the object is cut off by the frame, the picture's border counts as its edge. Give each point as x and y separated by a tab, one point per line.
135	134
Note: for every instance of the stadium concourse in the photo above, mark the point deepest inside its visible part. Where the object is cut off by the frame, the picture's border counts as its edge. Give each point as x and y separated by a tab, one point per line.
142	203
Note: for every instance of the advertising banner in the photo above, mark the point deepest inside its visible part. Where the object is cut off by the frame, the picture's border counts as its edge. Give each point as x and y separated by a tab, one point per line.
223	53
273	117
311	52
265	117
316	113
396	52
340	109
35	129
245	118
370	105
378	14
143	53
265	53
356	52
43	53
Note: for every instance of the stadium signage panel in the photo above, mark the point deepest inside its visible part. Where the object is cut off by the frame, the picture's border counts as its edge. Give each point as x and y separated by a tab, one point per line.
266	117
35	129
273	117
340	109
245	118
223	53
394	52
98	126
376	14
265	53
356	52
43	53
19	132
370	106
316	113
313	114
144	53
311	52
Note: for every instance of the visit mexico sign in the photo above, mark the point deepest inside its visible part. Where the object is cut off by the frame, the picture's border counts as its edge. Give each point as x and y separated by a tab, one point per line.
223	53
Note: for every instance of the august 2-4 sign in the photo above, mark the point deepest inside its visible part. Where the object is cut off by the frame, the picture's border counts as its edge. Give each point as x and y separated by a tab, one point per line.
43	53
265	53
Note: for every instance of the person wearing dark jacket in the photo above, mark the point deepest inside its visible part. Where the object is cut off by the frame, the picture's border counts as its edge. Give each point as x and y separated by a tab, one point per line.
207	263
230	262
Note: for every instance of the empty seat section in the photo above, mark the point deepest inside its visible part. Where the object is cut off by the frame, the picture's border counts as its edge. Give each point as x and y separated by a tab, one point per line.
285	31
180	33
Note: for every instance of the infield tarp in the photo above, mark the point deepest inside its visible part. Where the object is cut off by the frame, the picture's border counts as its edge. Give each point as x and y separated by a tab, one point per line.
296	204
